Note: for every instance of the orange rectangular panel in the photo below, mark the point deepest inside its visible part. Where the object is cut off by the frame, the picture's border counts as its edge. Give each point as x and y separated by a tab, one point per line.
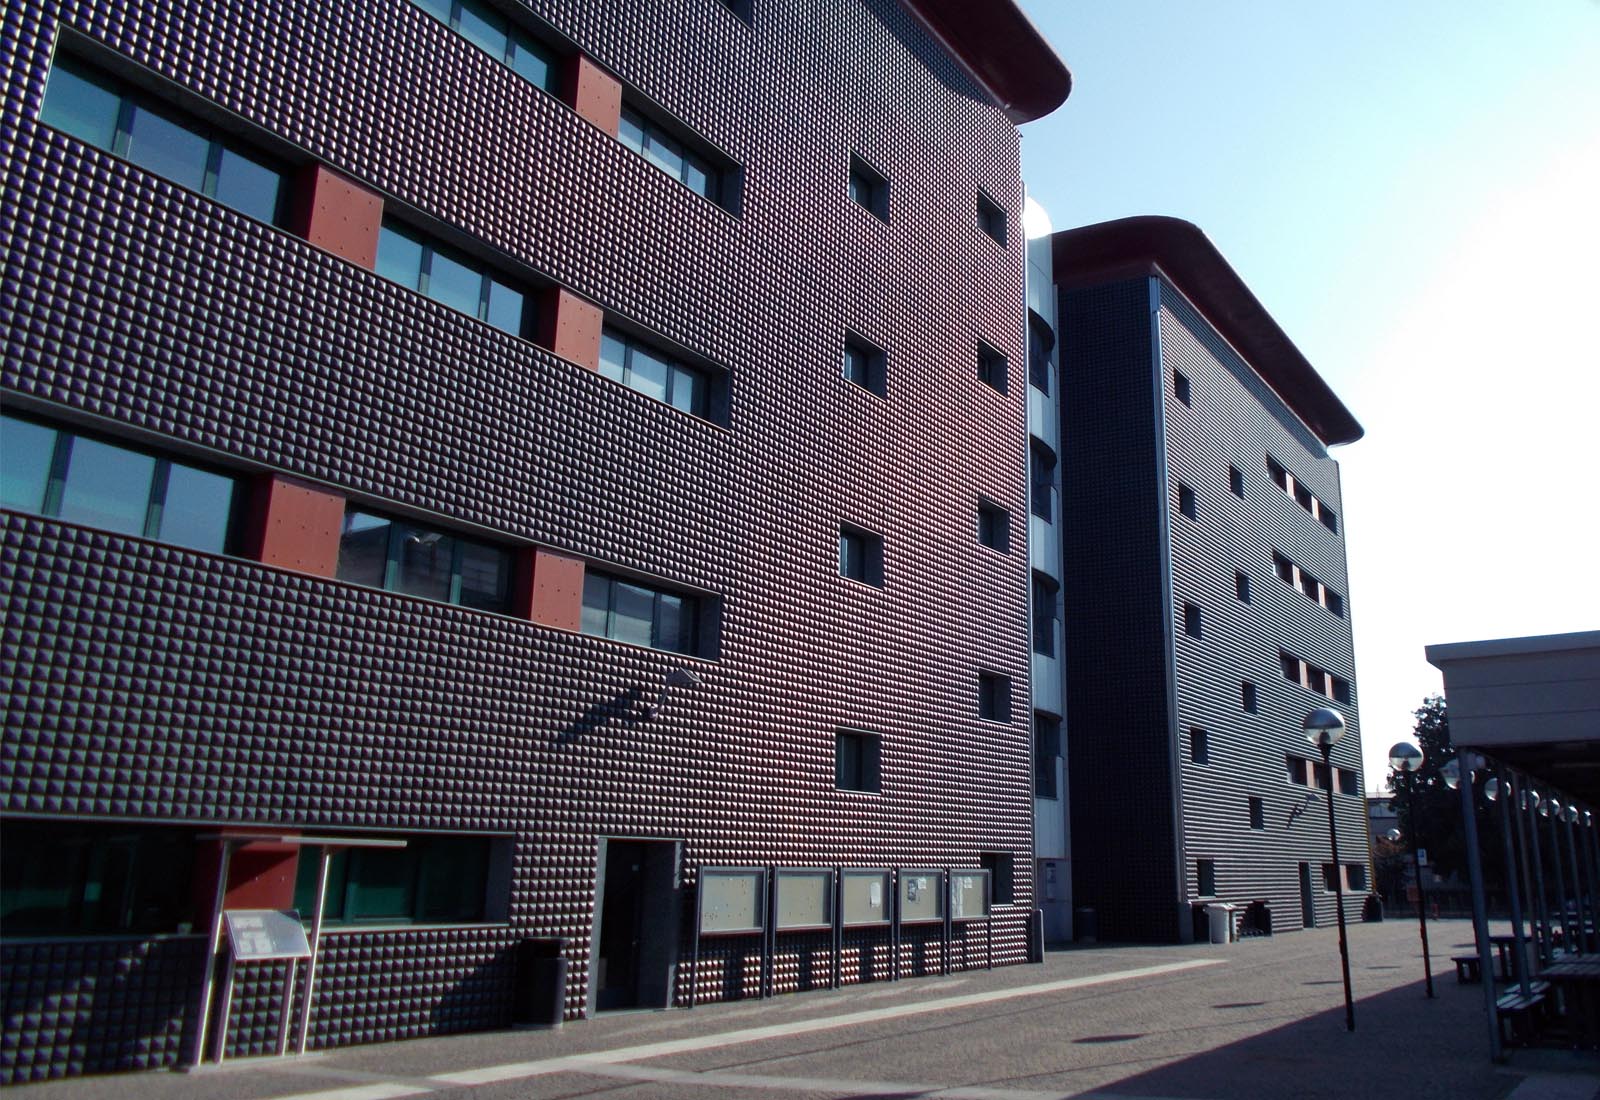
572	328
595	94
551	593
294	525
333	213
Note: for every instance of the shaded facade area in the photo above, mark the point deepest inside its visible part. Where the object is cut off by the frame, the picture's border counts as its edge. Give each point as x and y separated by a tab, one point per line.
1206	603
502	430
1525	721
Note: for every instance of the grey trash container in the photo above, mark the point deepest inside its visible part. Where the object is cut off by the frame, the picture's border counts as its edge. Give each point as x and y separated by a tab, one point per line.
1219	916
540	991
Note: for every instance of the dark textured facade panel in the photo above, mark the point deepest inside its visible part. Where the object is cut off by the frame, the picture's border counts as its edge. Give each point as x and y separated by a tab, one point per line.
147	683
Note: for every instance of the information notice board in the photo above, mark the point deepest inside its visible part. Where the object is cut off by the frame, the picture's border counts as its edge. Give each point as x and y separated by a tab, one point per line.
805	899
921	896
261	935
969	895
865	898
732	900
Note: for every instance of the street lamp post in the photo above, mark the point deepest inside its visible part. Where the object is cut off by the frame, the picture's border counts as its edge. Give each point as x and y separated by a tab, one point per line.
1458	774
1323	728
1405	758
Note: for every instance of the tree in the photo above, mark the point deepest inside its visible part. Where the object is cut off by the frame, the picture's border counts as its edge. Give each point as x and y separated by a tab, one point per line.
1438	808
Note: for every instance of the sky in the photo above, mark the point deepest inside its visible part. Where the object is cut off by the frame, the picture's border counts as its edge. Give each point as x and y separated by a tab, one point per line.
1412	189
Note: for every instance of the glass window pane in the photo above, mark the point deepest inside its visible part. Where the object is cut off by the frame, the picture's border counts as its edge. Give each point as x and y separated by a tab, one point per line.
453	876
634	609
168	149
505	308
247	186
631	131
671	624
687	387
364	549
485	576
379	885
664	153
483	28
399	257
439	9
425	559
197	508
107	487
455	284
613	357
851	555
531	61
25	454
596	603
697	175
41	879
82	104
648	374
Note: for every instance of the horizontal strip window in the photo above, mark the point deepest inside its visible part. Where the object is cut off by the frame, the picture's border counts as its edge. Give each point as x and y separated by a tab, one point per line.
1310	773
401	556
85	879
497	36
1296	489
625	360
628	611
103	111
1308	586
696	169
1355	877
448	277
1297	670
56	473
434	879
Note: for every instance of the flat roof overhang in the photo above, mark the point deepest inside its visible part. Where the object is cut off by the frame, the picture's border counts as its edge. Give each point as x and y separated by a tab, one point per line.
1002	49
1532	703
1179	251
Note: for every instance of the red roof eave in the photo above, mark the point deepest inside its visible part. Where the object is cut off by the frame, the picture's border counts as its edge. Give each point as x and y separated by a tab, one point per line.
1002	49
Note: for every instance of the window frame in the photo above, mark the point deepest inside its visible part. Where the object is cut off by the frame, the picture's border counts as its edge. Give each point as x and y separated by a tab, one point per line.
992	218
1046	751
874	362
994	526
1181	388
1193	625
489	276
553	58
706	385
692	613
994	697
1188	504
1258	813
994	366
394	559
1199	746
868	188
691	150
1205	873
864	755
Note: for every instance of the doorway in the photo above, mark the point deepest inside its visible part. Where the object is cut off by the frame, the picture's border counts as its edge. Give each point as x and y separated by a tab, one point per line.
636	939
1308	908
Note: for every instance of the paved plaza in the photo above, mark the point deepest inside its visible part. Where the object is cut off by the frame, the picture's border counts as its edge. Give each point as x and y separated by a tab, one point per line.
1261	1018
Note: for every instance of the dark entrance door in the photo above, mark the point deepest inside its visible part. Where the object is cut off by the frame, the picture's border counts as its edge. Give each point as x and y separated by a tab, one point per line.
638	942
1308	908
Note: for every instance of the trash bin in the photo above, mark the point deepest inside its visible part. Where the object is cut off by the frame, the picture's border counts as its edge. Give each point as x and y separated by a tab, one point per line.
1219	916
1235	923
539	993
1084	927
1372	909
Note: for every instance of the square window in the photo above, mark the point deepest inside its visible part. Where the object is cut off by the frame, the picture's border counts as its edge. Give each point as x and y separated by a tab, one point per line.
1333	601
1186	503
1341	689
865	365
1258	813
1329	519
1199	746
1279	476
1241	587
1349	781
994	526
991	218
856	761
999	865
1296	766
1355	876
1247	697
1180	386
868	187
1236	481
860	555
1206	874
1191	620
994	697
991	367
1046	752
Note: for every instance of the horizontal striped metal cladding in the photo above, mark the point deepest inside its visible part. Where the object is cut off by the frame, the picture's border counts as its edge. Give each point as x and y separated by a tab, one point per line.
149	683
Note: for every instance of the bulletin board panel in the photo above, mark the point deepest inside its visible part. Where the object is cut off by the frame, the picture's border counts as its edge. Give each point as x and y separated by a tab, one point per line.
921	896
865	897
732	900
805	899
969	895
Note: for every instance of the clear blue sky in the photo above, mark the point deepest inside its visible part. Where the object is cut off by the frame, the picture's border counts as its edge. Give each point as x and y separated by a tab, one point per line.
1412	188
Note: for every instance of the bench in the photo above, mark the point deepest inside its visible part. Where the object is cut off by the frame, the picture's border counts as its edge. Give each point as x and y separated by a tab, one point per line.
1514	1014
1468	968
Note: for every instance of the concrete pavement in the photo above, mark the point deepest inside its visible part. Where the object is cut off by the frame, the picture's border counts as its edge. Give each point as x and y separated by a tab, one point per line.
1262	1018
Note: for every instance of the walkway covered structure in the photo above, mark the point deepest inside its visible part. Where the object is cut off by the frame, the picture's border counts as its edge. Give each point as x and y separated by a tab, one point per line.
1525	720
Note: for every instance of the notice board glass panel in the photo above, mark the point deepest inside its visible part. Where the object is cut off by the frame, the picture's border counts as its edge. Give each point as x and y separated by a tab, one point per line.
921	896
805	898
969	895
866	897
732	900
